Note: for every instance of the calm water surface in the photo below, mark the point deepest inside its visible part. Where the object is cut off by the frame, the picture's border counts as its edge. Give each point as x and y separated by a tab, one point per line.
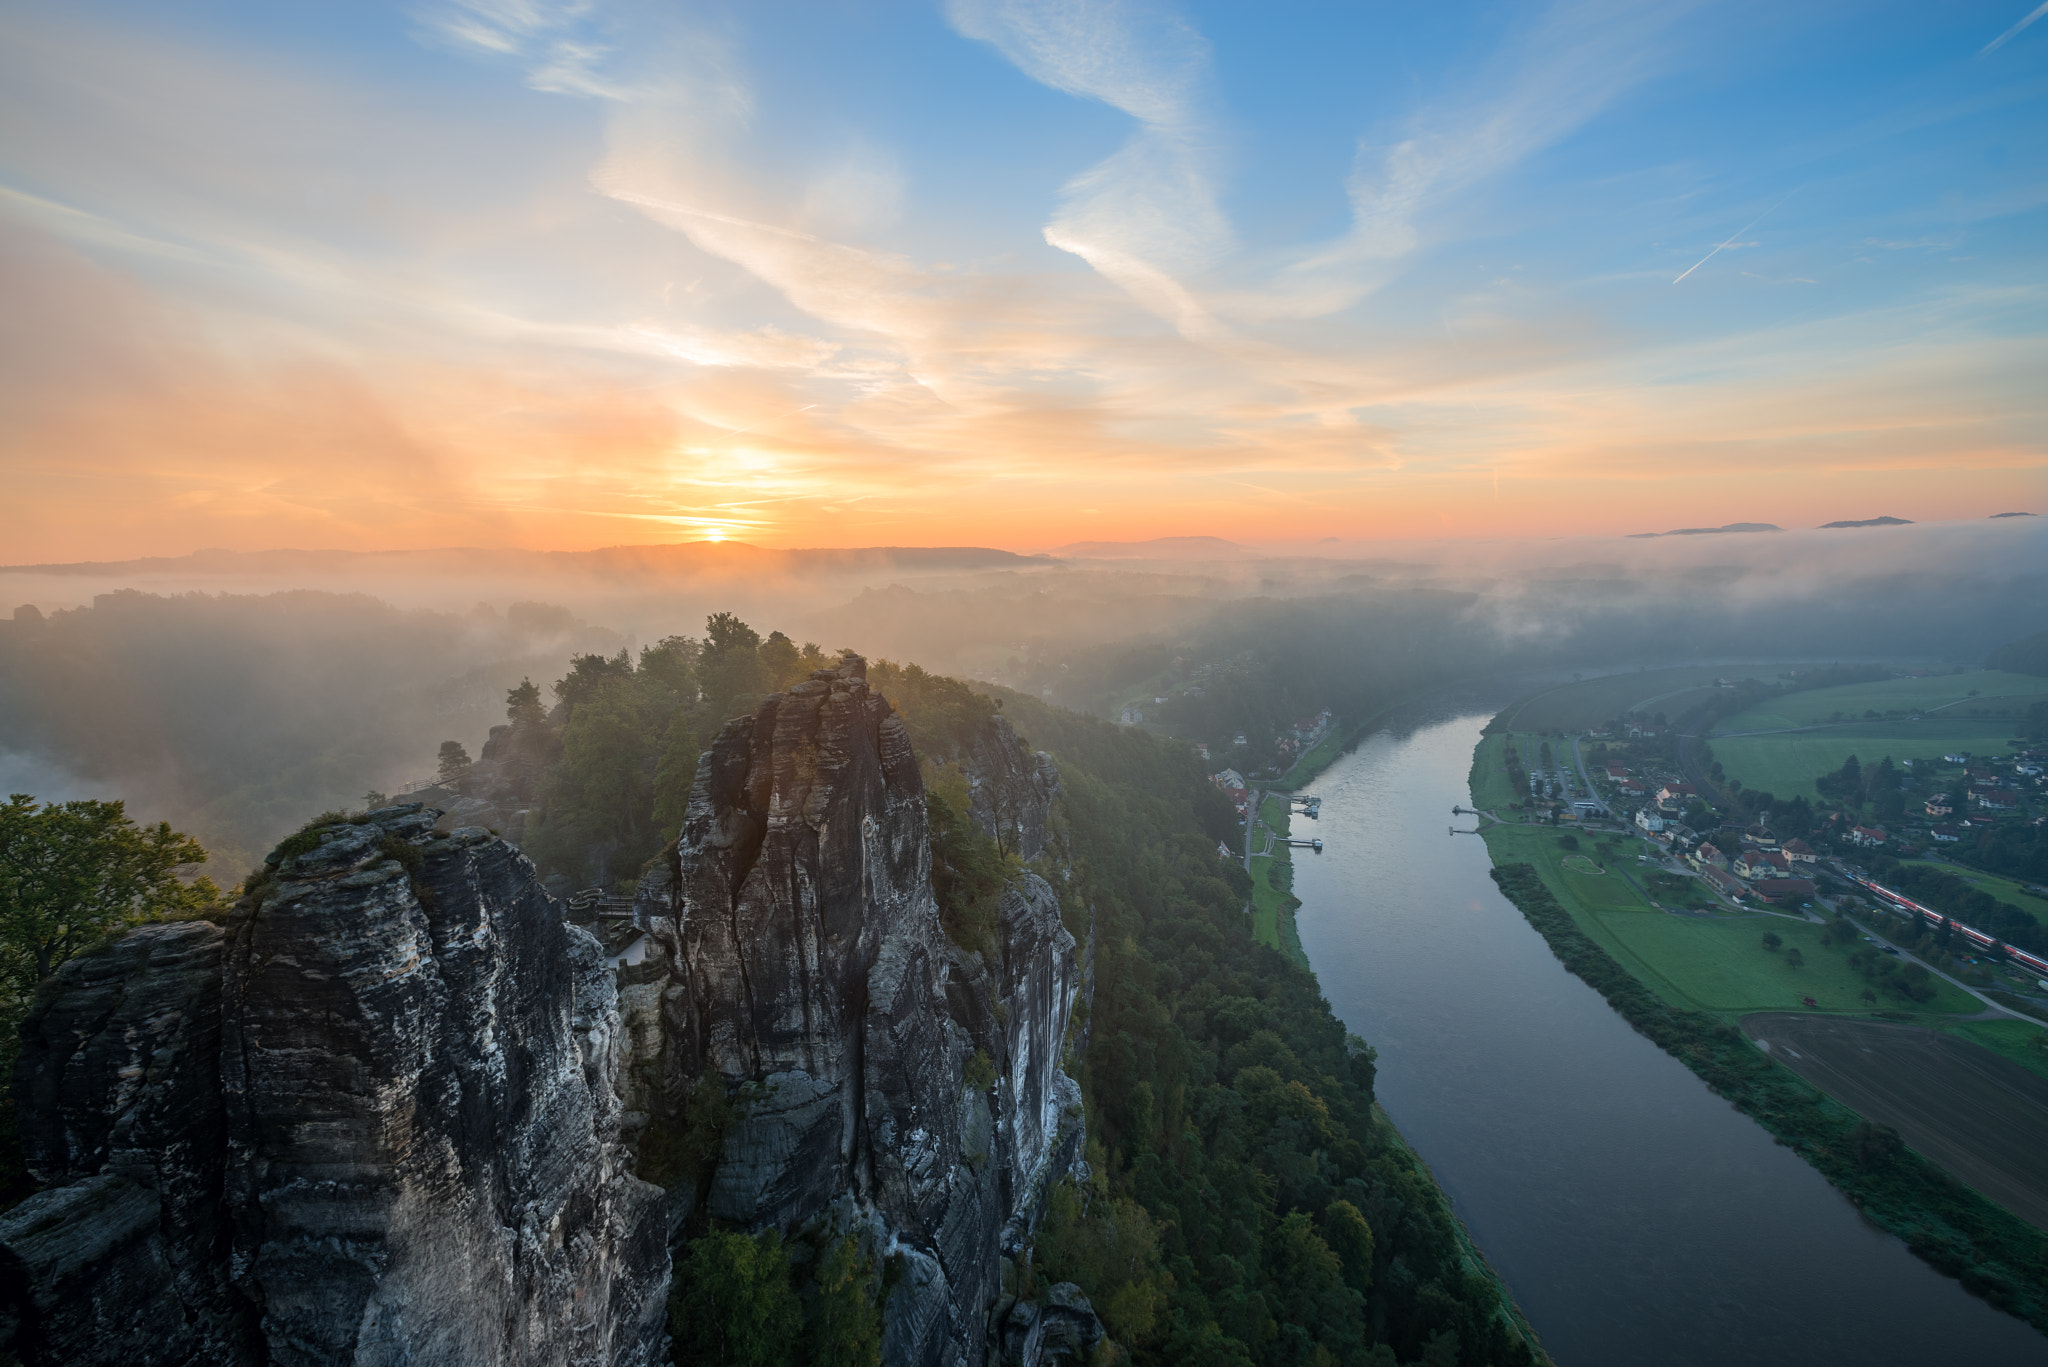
1637	1217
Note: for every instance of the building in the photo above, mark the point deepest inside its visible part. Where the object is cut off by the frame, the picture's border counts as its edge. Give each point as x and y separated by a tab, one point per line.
1678	793
1721	882
1941	805
1946	834
1998	800
1799	852
1617	772
1704	857
1778	890
1650	821
1763	837
1870	837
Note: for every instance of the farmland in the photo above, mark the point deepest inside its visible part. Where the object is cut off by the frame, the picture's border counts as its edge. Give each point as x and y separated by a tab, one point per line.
1985	692
1786	764
1581	706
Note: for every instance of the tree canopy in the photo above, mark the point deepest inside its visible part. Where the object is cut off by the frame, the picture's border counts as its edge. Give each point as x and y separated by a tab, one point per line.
73	872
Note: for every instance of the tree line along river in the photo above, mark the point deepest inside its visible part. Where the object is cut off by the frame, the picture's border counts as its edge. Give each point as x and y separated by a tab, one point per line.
1636	1216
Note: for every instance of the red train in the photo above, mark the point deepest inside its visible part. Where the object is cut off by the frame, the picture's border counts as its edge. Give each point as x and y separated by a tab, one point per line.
1977	937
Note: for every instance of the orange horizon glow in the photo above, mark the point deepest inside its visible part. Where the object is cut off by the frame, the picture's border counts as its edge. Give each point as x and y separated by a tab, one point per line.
576	308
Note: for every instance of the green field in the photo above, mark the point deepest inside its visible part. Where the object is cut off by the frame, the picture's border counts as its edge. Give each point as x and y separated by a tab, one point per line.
1714	963
1786	764
2009	1039
1272	891
2004	695
1582	706
2004	889
1491	790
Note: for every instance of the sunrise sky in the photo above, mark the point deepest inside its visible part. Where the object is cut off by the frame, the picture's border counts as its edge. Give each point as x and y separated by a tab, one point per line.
522	273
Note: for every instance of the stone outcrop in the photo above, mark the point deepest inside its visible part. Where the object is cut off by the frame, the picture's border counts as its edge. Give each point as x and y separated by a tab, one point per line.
373	1122
808	973
392	1112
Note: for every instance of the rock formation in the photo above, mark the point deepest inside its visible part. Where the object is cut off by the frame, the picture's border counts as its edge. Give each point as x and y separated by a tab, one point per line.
392	1112
372	1122
807	972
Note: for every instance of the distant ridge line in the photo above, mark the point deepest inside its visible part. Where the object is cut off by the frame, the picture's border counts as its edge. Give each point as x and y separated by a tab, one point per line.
672	557
1711	531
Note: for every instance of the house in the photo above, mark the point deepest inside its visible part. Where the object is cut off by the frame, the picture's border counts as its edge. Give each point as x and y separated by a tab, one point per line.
1649	821
1947	835
1721	882
1617	772
1870	837
1674	792
1754	863
1799	852
1130	716
1983	778
1960	757
1777	890
1763	837
1940	805
1639	729
1229	779
1632	787
1705	857
1998	800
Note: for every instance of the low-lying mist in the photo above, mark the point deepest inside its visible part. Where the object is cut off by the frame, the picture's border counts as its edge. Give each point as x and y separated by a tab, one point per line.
237	694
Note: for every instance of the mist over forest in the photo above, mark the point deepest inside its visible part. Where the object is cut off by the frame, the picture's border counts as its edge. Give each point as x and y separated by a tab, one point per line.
237	694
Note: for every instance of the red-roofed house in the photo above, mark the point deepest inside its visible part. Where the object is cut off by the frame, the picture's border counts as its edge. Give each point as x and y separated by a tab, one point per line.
1799	852
1868	836
1721	882
1776	890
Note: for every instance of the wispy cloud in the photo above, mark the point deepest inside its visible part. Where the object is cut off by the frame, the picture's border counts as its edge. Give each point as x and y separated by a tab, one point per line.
1147	215
2002	39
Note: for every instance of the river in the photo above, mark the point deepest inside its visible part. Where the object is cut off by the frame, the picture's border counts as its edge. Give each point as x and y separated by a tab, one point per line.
1636	1216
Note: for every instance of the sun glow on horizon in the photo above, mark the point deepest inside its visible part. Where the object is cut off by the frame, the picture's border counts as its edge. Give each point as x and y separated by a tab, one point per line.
712	280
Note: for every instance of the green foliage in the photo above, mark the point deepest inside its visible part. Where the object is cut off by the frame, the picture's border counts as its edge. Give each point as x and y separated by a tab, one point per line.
589	675
73	873
731	669
979	1072
452	762
846	1324
1226	1101
944	716
969	872
600	793
523	705
1993	1253
733	1305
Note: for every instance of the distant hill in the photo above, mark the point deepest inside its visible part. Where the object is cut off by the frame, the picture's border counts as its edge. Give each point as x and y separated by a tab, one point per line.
1996	516
1870	522
1158	548
2028	656
609	562
1711	531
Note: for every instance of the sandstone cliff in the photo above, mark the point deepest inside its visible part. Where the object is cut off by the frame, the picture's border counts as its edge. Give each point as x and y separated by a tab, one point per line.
393	1110
806	970
372	1122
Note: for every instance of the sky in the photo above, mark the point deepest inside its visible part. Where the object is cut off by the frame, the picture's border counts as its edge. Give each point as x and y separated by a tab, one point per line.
572	273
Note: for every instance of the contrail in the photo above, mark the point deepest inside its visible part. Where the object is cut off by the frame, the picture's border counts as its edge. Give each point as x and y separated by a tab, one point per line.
2002	39
1743	229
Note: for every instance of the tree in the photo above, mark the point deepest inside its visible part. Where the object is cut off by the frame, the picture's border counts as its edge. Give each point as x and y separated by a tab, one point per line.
1772	941
454	761
733	1305
730	667
73	872
848	1331
588	674
522	705
1794	959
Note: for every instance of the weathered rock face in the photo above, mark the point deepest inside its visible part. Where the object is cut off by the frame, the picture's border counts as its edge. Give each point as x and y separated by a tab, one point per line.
387	1115
382	1131
1010	789
807	971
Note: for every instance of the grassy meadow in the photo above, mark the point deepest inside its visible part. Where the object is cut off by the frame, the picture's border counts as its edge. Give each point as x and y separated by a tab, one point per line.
1717	963
1581	706
1785	765
1996	694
